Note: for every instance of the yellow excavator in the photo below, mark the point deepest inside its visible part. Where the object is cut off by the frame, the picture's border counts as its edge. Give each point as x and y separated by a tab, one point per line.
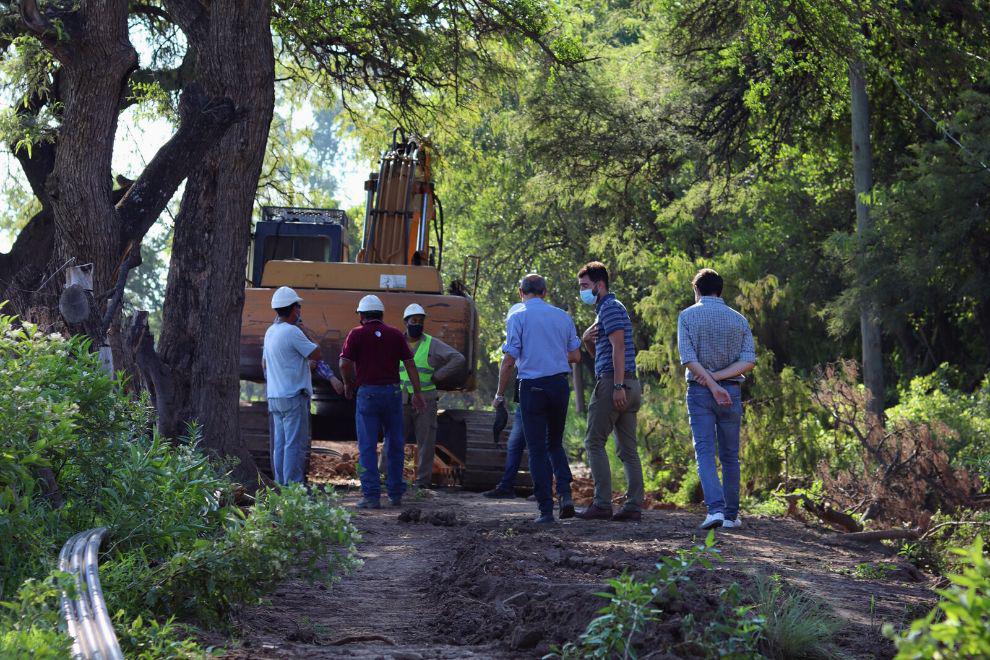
399	261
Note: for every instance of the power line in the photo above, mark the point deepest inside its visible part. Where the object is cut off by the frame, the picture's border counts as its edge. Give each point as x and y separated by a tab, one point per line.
938	125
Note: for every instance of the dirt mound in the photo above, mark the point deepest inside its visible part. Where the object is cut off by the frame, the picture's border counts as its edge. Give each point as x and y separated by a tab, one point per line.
500	586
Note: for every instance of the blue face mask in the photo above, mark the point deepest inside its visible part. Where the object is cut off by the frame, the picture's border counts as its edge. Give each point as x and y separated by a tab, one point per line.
588	296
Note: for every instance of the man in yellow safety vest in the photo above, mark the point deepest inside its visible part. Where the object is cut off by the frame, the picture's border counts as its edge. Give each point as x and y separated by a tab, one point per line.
436	363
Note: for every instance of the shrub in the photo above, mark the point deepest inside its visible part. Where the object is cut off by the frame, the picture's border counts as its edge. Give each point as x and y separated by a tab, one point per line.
77	454
795	625
959	627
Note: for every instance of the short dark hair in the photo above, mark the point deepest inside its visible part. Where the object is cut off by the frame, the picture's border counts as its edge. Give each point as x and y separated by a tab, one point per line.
283	312
596	272
533	284
371	316
708	282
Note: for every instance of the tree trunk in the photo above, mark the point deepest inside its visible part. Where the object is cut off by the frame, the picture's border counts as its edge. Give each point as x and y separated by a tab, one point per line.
95	65
863	183
204	296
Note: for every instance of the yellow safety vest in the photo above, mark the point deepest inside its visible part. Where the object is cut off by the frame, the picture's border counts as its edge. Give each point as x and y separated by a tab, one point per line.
421	358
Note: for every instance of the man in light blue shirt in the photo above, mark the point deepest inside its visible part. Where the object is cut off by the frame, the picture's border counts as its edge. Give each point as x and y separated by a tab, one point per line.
716	347
289	387
541	343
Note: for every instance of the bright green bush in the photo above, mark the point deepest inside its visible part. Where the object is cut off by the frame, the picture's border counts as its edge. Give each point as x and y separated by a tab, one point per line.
77	453
959	627
964	417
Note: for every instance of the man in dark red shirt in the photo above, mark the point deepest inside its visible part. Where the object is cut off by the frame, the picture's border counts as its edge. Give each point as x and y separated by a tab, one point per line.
369	362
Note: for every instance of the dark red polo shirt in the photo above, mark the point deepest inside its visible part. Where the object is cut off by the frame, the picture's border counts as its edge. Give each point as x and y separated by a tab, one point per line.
376	350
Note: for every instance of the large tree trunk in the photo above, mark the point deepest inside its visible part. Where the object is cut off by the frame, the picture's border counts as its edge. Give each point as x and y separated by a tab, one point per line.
205	292
95	59
863	183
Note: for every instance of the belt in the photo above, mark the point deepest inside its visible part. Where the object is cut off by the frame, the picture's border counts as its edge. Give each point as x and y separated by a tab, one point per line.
723	383
562	374
629	375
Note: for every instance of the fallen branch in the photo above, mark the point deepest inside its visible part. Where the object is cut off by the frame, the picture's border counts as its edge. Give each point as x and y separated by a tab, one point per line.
882	535
954	523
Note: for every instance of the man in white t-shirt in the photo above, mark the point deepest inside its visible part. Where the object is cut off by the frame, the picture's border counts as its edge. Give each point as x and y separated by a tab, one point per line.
289	386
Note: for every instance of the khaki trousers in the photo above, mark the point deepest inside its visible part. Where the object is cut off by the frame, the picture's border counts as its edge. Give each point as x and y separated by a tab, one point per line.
603	419
424	427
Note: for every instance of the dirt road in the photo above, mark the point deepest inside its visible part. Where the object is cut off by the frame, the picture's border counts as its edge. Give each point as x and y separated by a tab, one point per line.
479	580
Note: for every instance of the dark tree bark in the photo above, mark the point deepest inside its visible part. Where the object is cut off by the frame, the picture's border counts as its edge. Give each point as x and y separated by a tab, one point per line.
205	292
94	64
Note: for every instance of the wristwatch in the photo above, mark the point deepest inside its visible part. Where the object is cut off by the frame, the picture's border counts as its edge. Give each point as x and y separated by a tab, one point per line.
618	386
499	398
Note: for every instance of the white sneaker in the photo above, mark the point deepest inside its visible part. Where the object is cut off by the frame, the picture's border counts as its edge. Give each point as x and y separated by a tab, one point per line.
713	520
733	524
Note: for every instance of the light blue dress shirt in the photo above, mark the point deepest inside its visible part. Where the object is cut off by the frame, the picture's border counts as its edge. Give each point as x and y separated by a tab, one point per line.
714	335
539	336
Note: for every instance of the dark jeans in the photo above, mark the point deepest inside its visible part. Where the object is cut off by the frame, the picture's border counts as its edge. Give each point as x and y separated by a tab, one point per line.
544	412
379	409
513	457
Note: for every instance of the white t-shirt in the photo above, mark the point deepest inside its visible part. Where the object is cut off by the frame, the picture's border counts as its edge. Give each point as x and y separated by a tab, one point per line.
286	353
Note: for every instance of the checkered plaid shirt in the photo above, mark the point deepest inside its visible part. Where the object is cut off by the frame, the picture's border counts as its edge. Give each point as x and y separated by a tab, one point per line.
715	335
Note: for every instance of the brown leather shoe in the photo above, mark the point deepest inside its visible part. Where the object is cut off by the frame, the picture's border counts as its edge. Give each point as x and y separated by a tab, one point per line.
595	512
628	514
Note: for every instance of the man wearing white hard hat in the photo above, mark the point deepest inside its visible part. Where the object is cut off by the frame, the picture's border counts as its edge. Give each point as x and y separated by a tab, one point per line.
437	363
288	386
369	365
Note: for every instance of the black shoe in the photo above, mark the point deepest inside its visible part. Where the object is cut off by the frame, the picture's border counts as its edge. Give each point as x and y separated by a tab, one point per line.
499	494
545	519
566	509
395	501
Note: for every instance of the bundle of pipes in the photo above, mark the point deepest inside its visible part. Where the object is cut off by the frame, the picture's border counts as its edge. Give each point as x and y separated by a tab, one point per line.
86	617
389	213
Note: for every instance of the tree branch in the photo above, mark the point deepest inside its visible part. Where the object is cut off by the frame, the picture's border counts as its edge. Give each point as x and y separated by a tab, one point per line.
203	121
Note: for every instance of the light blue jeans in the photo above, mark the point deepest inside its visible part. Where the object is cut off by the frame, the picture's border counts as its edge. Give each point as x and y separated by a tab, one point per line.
714	426
289	430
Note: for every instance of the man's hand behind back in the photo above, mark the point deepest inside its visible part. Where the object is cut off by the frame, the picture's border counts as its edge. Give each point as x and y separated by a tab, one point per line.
722	397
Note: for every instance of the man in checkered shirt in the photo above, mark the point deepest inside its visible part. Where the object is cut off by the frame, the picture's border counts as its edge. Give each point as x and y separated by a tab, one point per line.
716	347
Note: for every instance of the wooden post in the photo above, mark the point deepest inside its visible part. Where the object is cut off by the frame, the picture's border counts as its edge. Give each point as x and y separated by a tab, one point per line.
578	374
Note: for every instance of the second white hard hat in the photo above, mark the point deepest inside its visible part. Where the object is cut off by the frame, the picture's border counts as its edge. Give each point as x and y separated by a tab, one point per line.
283	297
412	310
371	303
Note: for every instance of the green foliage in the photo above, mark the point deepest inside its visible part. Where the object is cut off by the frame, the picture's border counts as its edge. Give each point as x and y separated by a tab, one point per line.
963	418
77	454
873	571
795	625
630	604
733	632
611	633
29	624
960	625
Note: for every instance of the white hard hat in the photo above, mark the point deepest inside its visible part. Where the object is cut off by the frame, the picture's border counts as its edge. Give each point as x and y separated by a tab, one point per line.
412	310
371	303
284	296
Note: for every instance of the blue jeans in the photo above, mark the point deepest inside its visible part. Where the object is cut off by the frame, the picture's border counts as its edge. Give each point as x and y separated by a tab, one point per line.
543	402
513	457
714	425
288	425
379	409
